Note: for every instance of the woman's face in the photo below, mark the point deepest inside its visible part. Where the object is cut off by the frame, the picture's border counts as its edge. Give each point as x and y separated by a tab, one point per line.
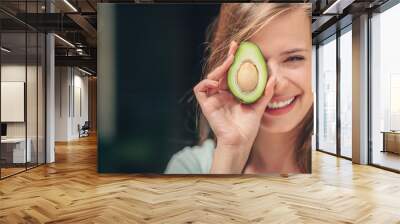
286	45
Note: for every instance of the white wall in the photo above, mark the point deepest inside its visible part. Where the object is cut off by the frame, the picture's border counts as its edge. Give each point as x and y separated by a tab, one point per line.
16	72
81	84
13	72
12	101
70	83
62	81
9	73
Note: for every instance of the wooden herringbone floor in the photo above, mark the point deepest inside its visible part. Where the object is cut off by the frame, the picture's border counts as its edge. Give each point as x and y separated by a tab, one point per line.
71	191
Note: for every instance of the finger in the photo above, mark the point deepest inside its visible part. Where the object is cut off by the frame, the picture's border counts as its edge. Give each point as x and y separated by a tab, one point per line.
212	91
262	103
232	48
226	96
201	89
221	70
223	83
270	87
223	98
268	94
205	84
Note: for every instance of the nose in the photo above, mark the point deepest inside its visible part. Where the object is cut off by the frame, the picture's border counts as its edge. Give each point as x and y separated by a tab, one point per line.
281	80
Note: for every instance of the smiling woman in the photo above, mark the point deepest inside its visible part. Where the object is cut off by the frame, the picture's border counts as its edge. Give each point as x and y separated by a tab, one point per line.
272	134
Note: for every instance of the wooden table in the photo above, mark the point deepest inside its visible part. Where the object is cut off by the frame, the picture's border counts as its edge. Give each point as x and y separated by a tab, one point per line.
391	141
14	150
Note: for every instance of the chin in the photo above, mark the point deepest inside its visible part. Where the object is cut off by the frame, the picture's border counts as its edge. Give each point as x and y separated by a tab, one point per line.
277	126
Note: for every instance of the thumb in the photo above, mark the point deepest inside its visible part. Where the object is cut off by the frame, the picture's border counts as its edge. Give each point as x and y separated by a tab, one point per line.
262	103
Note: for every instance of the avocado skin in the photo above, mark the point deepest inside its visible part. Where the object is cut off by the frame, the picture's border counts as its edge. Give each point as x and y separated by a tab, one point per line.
248	51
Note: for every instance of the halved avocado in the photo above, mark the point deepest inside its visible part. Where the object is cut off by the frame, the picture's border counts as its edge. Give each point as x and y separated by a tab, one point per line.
247	76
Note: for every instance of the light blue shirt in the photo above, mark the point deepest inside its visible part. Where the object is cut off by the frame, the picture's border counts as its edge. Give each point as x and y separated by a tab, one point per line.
192	160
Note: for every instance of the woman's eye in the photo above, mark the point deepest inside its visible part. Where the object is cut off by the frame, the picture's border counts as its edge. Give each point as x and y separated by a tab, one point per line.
294	58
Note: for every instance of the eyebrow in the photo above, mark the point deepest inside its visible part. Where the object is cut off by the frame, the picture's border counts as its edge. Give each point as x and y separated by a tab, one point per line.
294	50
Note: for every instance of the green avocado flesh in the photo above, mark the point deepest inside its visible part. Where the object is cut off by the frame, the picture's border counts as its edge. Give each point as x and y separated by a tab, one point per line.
247	76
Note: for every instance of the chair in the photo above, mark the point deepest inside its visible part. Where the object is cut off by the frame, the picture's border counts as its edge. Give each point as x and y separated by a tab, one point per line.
84	130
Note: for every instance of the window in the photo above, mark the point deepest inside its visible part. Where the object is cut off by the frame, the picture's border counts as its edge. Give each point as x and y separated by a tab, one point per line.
385	89
346	92
327	96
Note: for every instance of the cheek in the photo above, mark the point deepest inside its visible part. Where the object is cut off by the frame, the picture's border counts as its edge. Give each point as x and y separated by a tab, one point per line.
301	78
307	99
301	83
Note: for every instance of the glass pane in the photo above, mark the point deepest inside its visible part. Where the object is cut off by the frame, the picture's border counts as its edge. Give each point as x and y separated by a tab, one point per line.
31	100
385	86
41	98
13	87
346	94
327	96
314	74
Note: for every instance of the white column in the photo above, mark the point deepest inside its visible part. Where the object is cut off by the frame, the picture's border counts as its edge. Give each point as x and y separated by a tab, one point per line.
360	90
50	93
50	100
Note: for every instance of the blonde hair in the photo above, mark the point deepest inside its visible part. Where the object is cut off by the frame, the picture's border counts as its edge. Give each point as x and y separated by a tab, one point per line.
239	22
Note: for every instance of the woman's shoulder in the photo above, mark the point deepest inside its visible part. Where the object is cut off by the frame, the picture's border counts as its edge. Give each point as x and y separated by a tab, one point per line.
192	160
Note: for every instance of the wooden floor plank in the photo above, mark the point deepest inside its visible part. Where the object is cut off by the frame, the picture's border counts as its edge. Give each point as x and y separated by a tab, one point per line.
71	191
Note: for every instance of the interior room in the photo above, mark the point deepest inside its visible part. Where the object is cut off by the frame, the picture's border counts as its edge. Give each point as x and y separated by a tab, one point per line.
52	74
22	102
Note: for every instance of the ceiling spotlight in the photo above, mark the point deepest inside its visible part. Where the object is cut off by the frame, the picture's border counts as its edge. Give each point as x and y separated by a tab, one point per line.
338	6
70	5
84	71
65	41
5	50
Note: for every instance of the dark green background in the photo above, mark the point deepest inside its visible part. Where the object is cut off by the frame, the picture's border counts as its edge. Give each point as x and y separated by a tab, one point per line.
159	52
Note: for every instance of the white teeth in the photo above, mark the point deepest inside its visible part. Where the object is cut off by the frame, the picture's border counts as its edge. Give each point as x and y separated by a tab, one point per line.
280	104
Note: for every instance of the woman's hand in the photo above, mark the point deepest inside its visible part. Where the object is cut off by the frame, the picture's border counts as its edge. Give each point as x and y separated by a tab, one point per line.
234	124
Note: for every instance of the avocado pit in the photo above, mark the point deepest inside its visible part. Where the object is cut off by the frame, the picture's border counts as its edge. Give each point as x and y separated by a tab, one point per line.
247	77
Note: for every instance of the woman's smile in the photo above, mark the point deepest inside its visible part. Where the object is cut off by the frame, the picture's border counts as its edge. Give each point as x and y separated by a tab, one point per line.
281	106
